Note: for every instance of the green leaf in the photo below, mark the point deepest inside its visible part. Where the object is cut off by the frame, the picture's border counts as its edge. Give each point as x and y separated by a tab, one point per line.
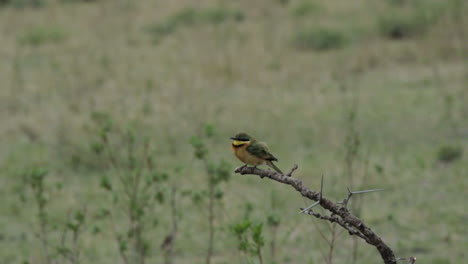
159	196
257	236
97	147
273	219
218	194
242	227
209	130
106	184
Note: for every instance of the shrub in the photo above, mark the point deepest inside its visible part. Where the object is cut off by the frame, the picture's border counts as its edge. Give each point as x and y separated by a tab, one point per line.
42	34
282	2
319	39
23	3
132	159
191	16
250	238
397	26
219	15
216	174
401	25
305	8
449	153
397	2
73	1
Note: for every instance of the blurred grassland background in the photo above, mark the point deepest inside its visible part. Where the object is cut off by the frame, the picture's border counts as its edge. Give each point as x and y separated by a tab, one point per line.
373	89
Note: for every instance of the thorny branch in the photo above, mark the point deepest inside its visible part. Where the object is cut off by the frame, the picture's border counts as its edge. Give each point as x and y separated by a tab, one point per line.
334	219
339	212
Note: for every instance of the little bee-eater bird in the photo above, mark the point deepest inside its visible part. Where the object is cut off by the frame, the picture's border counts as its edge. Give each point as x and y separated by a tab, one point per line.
252	152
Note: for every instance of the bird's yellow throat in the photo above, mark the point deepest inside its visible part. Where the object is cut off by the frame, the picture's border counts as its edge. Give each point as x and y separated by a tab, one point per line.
239	143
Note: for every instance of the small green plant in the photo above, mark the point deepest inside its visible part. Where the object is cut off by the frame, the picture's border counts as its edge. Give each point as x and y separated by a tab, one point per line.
35	180
319	39
273	222
184	17
168	243
135	186
250	238
192	16
216	174
352	148
398	26
305	8
449	154
397	2
67	248
282	2
24	3
40	35
219	15
402	24
352	144
77	1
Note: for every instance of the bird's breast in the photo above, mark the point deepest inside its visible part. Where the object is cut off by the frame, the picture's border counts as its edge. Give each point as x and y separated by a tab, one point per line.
241	153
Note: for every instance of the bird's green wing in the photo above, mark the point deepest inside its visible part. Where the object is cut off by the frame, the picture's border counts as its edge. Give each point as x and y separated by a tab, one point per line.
260	149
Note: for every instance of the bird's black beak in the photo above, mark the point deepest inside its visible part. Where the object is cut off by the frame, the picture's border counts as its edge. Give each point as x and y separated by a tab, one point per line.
233	138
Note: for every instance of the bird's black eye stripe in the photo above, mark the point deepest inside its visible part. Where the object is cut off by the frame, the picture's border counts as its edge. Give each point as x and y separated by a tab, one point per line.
240	139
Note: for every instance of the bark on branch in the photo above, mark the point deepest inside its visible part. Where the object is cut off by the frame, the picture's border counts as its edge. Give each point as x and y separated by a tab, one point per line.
339	212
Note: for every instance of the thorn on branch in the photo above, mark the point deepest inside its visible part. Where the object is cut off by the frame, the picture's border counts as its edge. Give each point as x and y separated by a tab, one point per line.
350	194
317	202
411	260
305	210
321	189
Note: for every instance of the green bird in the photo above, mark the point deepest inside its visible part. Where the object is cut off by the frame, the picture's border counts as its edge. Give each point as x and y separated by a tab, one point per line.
252	152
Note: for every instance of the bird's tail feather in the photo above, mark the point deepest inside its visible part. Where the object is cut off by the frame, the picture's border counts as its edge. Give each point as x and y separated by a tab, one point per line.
270	163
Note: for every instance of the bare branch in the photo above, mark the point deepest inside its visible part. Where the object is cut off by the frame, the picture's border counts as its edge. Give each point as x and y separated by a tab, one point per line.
340	212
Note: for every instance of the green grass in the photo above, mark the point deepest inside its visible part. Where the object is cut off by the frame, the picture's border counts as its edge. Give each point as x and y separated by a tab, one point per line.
191	16
233	66
40	35
319	39
24	3
406	22
305	8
